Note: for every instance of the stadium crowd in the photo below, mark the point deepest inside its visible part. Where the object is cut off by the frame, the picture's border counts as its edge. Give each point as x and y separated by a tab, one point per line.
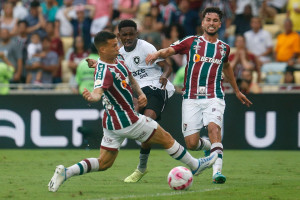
44	42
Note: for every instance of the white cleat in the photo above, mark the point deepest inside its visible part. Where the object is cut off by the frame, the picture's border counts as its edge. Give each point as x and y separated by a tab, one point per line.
57	179
205	163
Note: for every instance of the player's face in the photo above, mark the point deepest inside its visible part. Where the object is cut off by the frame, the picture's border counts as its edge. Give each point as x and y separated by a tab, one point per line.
211	23
128	37
112	48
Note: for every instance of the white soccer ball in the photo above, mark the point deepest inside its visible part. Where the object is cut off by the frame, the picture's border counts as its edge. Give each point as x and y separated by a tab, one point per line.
180	178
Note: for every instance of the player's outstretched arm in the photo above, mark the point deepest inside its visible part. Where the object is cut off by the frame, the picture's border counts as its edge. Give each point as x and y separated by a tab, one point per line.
142	99
92	96
167	70
91	62
228	72
163	53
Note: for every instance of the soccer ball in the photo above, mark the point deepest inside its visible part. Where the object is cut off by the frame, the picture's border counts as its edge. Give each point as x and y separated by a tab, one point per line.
180	178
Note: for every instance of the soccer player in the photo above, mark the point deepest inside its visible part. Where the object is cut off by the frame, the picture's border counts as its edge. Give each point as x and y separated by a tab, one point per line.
203	96
115	84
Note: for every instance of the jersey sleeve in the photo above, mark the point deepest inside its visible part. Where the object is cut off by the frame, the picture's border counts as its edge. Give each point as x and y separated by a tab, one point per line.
227	53
103	77
182	46
148	49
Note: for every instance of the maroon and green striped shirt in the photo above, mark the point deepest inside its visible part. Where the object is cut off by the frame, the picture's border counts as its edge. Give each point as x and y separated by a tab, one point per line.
117	98
203	72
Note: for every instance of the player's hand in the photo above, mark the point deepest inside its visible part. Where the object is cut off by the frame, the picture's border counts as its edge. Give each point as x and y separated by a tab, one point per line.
91	63
151	58
142	101
87	95
163	80
243	99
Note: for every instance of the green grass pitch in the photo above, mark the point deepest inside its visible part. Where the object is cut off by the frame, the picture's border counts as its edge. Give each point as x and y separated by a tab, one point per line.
250	175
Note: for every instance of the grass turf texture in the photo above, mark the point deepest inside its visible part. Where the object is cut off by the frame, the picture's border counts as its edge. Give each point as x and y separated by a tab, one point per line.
250	175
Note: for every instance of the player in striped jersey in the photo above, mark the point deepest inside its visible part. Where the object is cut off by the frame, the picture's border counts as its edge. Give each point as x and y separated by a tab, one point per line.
203	96
115	84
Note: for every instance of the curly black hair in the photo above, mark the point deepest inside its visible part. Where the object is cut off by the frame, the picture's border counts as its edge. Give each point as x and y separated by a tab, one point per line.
212	10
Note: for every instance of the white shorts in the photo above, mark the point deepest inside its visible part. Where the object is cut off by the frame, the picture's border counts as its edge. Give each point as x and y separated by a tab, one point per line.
197	113
98	24
142	130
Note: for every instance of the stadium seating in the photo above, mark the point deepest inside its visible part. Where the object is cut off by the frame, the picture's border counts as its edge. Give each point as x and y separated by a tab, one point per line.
273	72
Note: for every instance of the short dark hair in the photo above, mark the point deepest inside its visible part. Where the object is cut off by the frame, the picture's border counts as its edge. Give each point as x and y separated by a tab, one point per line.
127	23
102	37
35	4
23	22
212	10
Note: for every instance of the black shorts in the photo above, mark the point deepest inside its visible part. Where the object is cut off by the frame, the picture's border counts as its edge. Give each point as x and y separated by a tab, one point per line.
157	100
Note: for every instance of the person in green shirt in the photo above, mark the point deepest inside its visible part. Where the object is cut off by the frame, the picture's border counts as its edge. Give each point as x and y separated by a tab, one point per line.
179	79
85	75
6	74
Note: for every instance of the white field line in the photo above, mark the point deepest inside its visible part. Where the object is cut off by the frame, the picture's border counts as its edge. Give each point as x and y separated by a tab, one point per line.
174	193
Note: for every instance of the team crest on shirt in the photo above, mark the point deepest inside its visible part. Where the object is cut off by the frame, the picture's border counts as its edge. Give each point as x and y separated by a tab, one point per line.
222	49
136	60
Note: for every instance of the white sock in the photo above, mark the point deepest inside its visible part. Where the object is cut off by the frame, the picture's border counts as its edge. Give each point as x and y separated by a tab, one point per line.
84	166
178	152
217	166
203	144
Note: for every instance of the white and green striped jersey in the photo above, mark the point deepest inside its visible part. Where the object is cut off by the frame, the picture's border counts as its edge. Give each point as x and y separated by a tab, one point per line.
203	72
117	98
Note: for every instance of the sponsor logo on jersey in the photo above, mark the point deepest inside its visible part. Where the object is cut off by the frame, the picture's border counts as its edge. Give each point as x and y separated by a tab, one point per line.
184	126
198	58
98	82
136	60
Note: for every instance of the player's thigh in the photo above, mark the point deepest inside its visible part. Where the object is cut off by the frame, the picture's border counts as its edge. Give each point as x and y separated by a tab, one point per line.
192	120
214	112
161	137
157	100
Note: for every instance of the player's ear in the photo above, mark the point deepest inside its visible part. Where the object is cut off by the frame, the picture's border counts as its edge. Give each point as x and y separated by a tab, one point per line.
118	35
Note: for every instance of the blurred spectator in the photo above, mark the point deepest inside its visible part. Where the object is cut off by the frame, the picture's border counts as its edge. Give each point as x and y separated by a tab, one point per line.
6	73
56	46
178	80
289	80
246	85
157	18
259	41
227	15
48	65
35	19
7	21
195	4
76	56
22	40
84	74
242	21
267	13
128	8
293	12
79	2
148	33
242	60
167	9
34	49
49	10
82	24
102	14
19	11
278	5
13	53
288	44
174	33
186	17
239	6
64	26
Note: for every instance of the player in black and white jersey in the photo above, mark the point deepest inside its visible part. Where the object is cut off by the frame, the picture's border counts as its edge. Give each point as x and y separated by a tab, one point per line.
152	79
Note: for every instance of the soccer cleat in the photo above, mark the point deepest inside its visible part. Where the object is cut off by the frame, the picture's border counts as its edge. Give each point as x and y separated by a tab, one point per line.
135	176
57	179
219	178
205	163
